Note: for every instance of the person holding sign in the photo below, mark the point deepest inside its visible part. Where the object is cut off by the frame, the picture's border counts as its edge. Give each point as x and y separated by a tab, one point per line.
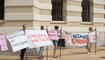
41	48
55	43
53	35
23	50
91	39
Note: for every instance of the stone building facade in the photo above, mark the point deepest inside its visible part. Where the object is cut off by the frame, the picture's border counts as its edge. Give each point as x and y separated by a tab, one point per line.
35	13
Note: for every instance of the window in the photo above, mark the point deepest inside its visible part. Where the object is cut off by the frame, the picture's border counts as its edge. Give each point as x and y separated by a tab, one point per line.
57	10
1	9
87	10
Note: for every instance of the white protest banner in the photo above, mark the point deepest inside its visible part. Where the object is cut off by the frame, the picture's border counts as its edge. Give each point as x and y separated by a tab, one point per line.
67	38
3	43
18	40
38	38
79	39
92	37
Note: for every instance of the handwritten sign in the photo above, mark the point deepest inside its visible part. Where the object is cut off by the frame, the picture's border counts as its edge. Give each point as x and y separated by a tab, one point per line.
18	40
67	38
3	43
53	35
79	39
38	38
92	37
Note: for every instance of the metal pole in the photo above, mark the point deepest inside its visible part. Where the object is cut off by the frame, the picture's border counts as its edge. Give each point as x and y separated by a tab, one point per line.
60	41
60	51
47	53
47	46
88	42
96	42
26	48
26	53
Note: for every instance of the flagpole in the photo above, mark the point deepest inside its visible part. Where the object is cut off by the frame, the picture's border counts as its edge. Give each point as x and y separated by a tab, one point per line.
60	41
47	46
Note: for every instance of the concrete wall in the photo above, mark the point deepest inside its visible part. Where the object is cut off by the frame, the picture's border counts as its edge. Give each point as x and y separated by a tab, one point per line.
17	13
74	18
38	12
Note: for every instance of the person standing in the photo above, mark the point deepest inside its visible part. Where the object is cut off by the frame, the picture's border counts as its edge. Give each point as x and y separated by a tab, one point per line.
23	50
55	43
89	43
41	48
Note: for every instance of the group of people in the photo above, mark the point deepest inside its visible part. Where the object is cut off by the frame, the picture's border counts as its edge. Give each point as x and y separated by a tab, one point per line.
40	54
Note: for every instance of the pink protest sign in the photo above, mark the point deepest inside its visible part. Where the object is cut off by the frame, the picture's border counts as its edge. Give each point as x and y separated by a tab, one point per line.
101	34
3	43
53	35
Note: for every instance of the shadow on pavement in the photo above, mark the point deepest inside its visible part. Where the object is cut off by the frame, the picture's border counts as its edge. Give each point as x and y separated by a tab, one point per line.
103	57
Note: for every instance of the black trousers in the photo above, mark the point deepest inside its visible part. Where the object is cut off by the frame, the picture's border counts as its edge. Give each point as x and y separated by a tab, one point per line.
61	42
22	54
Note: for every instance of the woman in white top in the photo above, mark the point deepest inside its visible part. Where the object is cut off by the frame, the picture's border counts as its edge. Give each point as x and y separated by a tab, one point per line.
89	44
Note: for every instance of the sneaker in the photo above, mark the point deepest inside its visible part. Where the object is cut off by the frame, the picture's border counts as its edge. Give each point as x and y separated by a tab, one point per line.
89	53
55	56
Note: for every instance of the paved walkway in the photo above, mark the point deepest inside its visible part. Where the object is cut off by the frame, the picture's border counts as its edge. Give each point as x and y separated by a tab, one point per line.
67	54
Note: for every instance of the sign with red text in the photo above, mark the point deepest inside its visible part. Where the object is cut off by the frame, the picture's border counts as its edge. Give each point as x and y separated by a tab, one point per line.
53	35
92	37
79	39
38	38
18	40
3	43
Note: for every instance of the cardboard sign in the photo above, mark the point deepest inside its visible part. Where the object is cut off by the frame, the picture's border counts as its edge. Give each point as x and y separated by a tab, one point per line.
3	43
38	38
18	40
79	39
53	35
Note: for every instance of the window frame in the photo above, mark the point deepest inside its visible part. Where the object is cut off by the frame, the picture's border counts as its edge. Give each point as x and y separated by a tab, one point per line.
58	16
2	9
87	11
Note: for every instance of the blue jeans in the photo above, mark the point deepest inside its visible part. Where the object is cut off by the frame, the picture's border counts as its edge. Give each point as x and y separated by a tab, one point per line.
55	42
41	51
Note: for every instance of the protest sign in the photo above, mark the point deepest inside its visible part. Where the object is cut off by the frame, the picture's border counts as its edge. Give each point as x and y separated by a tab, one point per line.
92	37
38	38
53	35
67	38
79	39
3	43
18	40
